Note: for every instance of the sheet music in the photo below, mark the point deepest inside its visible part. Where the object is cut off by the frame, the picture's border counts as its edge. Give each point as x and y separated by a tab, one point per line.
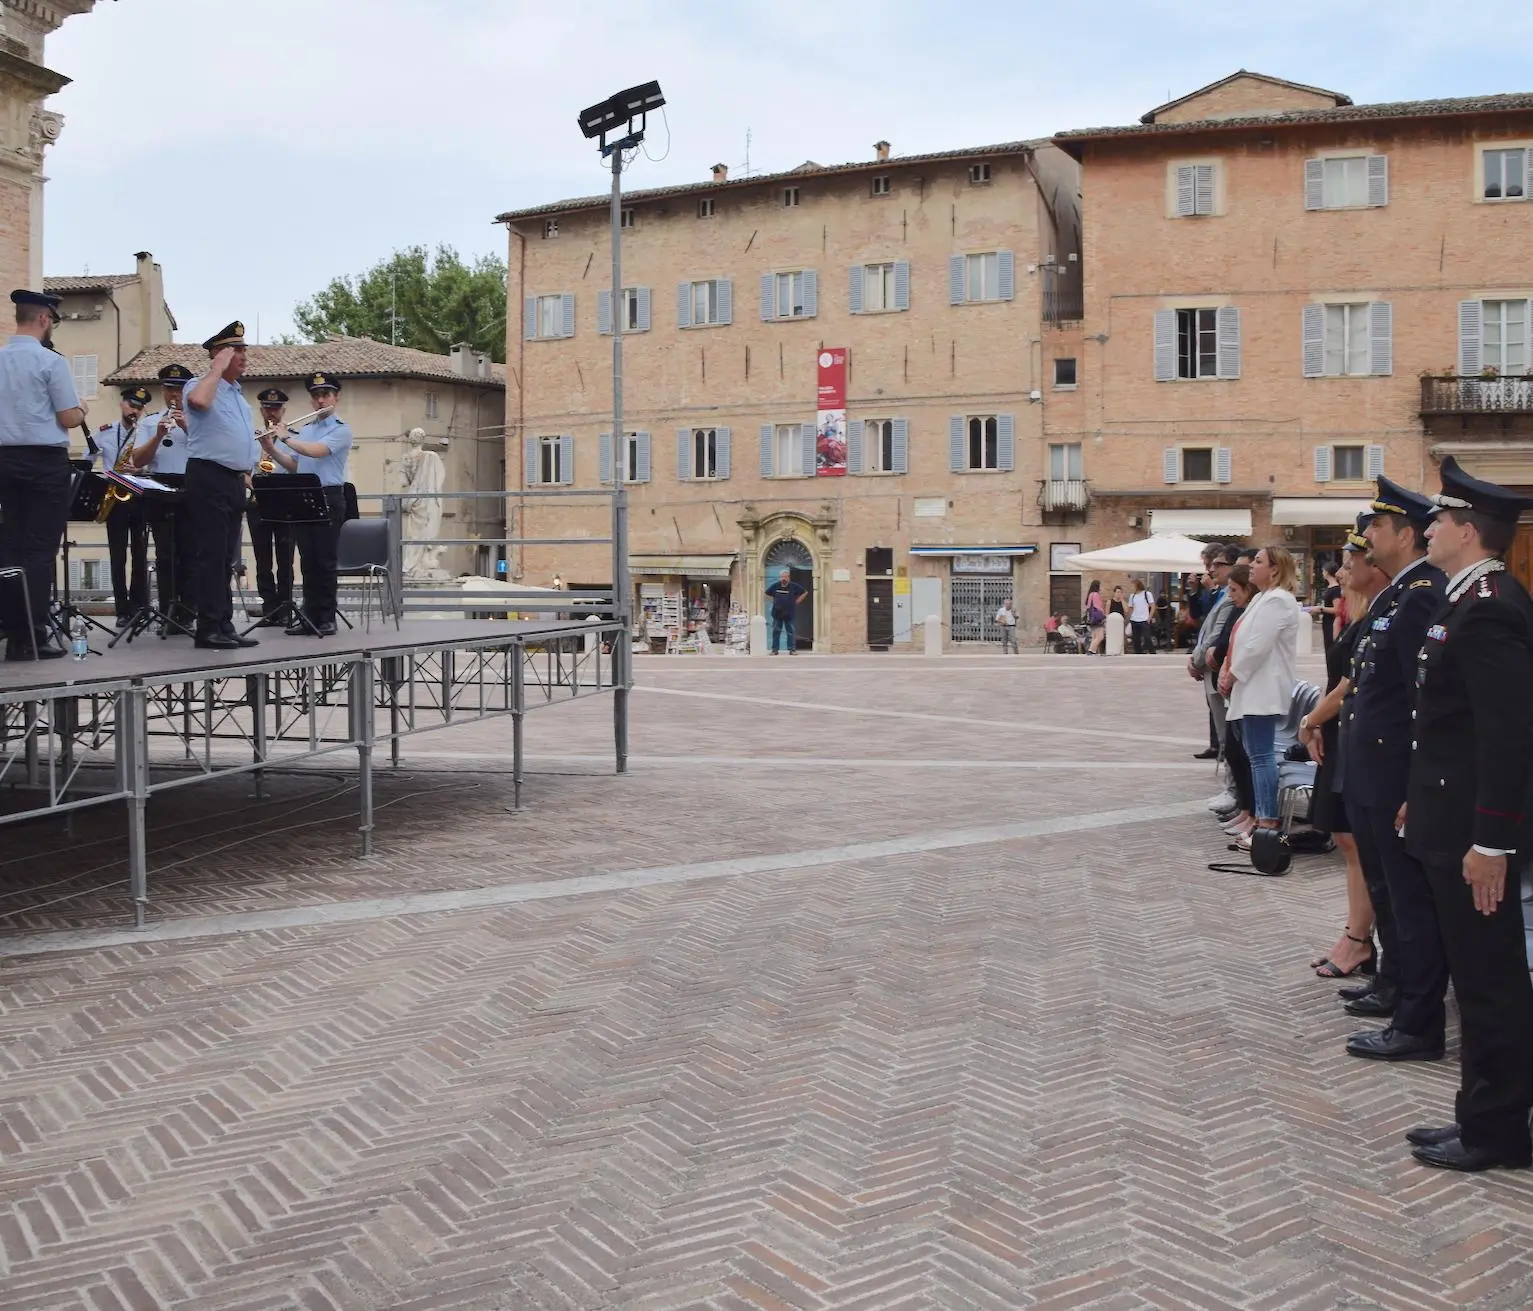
142	482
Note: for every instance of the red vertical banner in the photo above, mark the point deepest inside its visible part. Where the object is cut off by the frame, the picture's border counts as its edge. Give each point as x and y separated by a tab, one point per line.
830	414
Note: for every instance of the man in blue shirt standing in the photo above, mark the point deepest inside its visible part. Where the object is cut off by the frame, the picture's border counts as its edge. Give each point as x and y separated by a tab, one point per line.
785	596
218	429
321	449
38	409
126	533
161	452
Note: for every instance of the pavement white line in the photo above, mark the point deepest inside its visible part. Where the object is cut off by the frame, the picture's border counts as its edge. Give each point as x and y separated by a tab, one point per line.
1073	730
510	894
812	762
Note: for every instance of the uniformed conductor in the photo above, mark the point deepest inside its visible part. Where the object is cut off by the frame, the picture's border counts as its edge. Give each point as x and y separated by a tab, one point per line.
38	410
1471	764
218	428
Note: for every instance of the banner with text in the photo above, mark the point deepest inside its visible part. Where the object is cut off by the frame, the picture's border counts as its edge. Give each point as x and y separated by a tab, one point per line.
830	417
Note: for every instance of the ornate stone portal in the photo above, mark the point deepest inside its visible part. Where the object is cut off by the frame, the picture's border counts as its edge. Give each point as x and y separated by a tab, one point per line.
813	531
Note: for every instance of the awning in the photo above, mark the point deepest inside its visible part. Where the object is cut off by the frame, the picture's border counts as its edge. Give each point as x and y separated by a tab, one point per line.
1201	523
1030	549
1302	510
683	566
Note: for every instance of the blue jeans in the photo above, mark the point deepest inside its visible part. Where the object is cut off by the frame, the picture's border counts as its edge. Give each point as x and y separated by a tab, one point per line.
785	630
1258	733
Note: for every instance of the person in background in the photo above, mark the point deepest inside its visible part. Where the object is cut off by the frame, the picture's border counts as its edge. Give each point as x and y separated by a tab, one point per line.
1141	609
1217	559
1006	621
785	596
1240	591
1330	606
1051	632
1095	616
127	532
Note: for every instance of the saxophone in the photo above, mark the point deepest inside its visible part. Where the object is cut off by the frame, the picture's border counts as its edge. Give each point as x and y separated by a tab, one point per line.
115	495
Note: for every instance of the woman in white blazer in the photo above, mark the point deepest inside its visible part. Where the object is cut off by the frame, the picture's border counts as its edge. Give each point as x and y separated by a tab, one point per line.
1259	678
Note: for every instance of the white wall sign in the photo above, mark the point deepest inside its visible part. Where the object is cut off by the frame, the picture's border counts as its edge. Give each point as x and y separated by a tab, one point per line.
981	564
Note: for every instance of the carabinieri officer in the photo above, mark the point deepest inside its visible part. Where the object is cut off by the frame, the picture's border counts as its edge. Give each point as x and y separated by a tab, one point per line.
321	449
126	534
218	428
1471	765
38	410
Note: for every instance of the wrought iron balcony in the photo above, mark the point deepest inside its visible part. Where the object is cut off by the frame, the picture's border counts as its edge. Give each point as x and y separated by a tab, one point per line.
1070	495
1512	394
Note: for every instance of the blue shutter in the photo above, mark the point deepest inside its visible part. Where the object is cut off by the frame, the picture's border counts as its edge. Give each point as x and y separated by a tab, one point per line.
811	293
529	462
569	314
641	458
683	304
854	458
1005	442
766	450
1381	337
1313	331
1008	274
726	300
808	436
604	457
1203	188
643	309
684	465
955	455
1373	461
902	284
956	282
767	307
566	459
604	311
1171	465
1227	340
1223	472
1471	319
1165	345
1314	184
1324	462
854	296
901	444
529	317
721	454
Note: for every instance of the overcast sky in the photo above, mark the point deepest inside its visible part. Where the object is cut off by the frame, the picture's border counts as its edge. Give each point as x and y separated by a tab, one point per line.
259	148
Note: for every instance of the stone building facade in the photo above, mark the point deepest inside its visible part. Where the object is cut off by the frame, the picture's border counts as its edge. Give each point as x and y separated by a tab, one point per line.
107	319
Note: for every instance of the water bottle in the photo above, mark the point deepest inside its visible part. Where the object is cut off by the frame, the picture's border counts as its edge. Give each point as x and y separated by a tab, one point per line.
79	646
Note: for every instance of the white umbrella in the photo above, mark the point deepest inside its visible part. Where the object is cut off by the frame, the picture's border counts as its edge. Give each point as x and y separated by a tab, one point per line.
1163	553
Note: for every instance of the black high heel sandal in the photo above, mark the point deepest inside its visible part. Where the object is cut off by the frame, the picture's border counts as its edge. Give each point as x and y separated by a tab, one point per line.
1328	969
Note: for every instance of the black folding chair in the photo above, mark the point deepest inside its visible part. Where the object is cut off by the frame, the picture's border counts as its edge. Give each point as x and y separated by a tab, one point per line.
363	554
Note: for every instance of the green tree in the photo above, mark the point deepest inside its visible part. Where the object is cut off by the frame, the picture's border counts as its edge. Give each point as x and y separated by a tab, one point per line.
417	299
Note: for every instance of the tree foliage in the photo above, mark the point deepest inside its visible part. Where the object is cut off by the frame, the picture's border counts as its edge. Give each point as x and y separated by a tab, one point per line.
415	298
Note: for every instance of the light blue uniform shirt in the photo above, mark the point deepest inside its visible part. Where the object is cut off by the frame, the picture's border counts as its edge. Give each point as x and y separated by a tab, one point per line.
110	440
35	385
221	432
167	459
335	436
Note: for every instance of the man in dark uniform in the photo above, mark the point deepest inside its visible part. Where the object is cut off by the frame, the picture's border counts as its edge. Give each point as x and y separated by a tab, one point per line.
271	543
1471	764
127	532
1376	736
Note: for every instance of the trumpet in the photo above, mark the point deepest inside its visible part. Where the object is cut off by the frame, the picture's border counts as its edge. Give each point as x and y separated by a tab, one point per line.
268	465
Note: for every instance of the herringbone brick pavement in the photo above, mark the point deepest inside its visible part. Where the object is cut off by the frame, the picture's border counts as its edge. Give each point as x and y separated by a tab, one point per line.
1071	1069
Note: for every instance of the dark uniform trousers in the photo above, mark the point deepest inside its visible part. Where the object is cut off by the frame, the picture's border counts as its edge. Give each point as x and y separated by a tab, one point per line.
127	538
272	545
318	544
1372	860
175	556
215	499
34	512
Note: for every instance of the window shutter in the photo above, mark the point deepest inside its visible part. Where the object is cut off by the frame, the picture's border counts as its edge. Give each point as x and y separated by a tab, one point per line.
1008	274
766	450
1471	317
1314	341
1227	328
1314	184
1381	337
1203	188
683	304
854	458
767	304
684	465
643	309
722	440
1005	442
955	452
726	300
901	446
604	470
604	311
1222	463
1165	345
902	284
1323	464
808	437
569	314
956	286
1373	461
811	293
1378	179
642	458
529	462
529	317
1171	465
567	457
854	299
1185	198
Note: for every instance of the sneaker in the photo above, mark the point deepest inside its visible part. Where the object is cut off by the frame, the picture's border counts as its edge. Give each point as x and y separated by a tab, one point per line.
1224	801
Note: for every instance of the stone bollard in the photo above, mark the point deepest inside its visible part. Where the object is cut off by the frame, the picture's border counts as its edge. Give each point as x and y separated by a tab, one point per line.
1112	644
759	636
588	640
933	635
1306	643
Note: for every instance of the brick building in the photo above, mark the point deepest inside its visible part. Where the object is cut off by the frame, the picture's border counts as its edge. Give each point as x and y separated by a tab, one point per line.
936	274
1286	293
108	318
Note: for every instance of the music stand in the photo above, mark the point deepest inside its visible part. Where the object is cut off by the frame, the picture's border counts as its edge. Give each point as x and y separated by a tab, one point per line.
294	499
87	494
161	493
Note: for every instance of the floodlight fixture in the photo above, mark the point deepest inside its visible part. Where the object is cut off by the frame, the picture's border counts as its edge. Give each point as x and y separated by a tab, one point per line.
619	112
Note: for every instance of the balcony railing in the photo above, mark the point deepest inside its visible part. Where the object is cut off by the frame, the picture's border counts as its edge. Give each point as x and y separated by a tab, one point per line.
1063	305
1512	394
1064	494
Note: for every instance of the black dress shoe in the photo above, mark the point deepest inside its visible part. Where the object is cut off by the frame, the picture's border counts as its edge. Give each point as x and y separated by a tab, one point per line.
1453	1155
298	630
1426	1136
1355	990
1392	1044
239	639
326	630
1374	1005
1211	754
218	642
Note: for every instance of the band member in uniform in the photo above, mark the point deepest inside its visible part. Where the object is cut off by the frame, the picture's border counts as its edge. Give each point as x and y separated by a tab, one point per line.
38	410
271	544
161	450
127	532
1376	736
218	431
1471	765
321	449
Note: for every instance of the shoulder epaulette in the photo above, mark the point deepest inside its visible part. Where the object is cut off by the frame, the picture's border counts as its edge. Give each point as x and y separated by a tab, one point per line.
1421	582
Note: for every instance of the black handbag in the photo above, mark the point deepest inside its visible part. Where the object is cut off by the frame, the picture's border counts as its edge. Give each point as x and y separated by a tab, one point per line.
1270	853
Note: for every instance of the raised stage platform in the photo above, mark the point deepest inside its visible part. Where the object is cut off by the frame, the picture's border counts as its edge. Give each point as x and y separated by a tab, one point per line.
155	714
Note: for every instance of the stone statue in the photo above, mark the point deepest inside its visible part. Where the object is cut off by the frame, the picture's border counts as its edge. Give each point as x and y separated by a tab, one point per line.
421	475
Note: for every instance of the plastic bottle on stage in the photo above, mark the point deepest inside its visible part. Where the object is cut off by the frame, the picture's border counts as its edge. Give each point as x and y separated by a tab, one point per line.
79	645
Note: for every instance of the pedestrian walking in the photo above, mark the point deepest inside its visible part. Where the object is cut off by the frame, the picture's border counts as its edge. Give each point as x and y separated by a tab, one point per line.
1141	609
1006	621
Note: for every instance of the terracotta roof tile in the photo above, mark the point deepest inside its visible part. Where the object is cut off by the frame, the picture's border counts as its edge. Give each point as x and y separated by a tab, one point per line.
90	282
348	357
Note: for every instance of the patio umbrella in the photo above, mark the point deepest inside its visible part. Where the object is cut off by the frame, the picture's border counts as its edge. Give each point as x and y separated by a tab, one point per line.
1169	553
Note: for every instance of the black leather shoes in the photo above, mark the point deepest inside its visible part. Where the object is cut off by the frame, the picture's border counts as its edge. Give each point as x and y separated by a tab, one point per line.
1393	1045
1426	1136
1211	754
298	630
1453	1155
218	642
1373	1005
327	630
239	639
1355	990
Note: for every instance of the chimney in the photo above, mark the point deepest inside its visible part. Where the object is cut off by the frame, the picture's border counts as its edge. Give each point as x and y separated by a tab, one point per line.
481	364
882	150
462	357
721	172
